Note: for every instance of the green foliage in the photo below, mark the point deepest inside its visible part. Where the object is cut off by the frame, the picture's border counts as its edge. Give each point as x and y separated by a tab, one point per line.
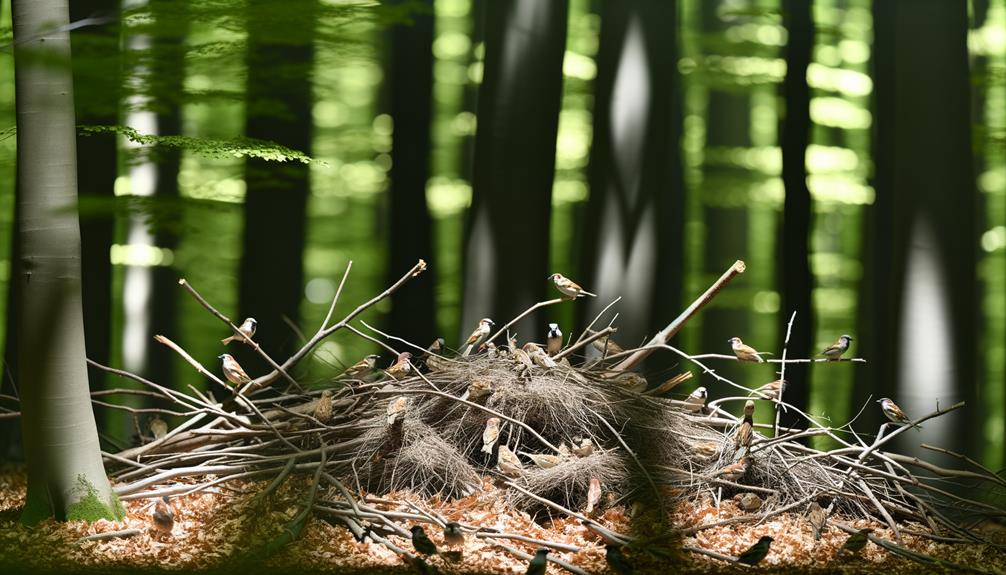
90	508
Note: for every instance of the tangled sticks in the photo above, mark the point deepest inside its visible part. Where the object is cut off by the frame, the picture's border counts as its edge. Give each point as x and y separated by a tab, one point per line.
568	439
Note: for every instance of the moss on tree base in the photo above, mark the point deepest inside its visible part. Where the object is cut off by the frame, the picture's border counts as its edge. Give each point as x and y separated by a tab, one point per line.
85	505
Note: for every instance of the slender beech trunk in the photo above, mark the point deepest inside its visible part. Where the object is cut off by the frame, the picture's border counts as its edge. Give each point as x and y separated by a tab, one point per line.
65	474
506	248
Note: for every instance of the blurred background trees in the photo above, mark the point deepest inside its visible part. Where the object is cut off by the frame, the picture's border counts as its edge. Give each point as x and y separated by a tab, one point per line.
853	153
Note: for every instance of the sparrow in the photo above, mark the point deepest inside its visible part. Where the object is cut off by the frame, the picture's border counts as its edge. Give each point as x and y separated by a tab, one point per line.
323	408
616	561
522	358
491	351
490	434
508	463
696	401
734	471
756	552
163	516
894	413
538	356
818	518
707	449
402	366
631	381
593	494
553	341
247	330
744	352
748	501
744	434
396	408
835	350
233	371
478	336
432	356
362	367
421	542
771	390
544	460
437	347
606	345
568	287
453	535
857	541
479	388
585	449
158	427
539	563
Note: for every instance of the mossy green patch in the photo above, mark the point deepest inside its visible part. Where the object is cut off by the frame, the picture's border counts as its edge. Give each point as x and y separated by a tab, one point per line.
37	508
89	507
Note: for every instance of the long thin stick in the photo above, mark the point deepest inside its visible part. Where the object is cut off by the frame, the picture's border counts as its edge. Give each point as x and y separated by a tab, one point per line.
523	315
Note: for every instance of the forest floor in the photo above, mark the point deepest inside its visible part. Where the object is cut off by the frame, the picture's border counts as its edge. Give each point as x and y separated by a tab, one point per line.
213	532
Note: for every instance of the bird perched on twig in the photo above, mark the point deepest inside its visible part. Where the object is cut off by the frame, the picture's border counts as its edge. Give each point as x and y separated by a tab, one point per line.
323	409
613	555
509	464
478	336
396	408
544	460
593	495
696	400
857	541
584	449
553	341
817	516
606	345
402	366
247	329
163	516
744	352
754	554
568	287
432	356
233	371
538	356
772	390
539	563
735	471
158	427
490	434
746	430
453	535
834	351
362	367
894	413
421	541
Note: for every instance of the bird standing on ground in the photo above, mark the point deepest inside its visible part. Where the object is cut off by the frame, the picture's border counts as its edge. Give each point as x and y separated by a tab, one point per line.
568	287
818	518
362	367
158	427
835	350
421	542
490	434
696	400
744	352
232	370
402	366
453	535
553	341
756	552
857	541
539	563
478	336
247	329
616	561
163	516
894	413
509	464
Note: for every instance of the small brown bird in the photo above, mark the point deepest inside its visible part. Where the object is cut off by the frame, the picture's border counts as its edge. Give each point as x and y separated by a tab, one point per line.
772	390
585	449
453	535
857	541
707	449
490	434
756	552
158	427
744	434
538	356
748	501
593	495
361	368
396	408
163	516
894	413
835	350
437	347
508	463
478	336
247	329
522	358
568	287
818	518
539	563
553	341
491	350
402	367
479	388
735	471
631	381
744	352
232	370
421	541
606	345
544	460
323	409
696	401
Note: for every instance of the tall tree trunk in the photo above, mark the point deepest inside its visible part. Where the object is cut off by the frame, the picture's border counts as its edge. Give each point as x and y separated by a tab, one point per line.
795	277
921	284
506	248
65	474
635	216
411	228
279	106
96	83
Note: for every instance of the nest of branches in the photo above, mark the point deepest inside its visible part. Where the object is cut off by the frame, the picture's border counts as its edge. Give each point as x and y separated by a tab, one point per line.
573	438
